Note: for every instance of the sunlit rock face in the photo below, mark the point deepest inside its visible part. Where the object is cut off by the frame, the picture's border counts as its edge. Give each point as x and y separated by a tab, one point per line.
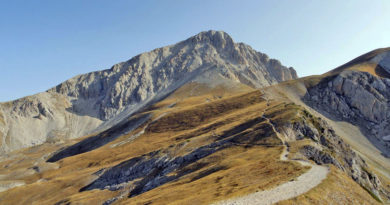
153	74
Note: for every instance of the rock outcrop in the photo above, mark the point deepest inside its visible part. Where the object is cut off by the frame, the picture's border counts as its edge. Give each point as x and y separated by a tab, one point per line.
329	148
357	97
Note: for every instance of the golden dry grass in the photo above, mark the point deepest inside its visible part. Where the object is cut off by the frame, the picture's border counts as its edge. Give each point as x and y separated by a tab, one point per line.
198	90
252	164
192	117
194	123
243	171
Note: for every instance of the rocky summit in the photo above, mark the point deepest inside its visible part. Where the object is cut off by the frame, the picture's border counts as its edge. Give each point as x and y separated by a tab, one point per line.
203	121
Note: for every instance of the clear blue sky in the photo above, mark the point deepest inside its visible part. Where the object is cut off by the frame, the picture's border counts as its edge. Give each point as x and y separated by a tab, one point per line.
43	43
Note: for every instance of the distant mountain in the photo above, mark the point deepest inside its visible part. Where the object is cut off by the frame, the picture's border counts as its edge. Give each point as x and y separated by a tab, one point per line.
99	100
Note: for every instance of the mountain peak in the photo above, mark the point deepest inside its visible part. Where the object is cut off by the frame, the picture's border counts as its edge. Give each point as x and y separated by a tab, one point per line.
212	34
218	39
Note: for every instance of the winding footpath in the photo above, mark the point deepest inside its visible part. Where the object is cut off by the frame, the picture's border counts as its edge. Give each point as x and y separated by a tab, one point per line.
288	190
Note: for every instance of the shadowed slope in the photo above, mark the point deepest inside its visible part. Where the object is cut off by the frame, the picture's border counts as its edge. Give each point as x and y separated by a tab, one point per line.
101	139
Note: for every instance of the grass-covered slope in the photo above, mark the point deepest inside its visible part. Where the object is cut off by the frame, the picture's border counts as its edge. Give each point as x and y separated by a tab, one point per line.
195	149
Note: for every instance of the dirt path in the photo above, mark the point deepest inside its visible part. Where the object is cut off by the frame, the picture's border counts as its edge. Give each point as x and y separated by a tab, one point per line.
288	190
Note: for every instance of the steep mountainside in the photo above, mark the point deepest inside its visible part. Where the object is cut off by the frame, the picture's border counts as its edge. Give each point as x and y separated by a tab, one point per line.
99	100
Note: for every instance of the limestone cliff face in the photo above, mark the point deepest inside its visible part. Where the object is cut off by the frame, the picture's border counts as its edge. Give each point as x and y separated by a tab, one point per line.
101	99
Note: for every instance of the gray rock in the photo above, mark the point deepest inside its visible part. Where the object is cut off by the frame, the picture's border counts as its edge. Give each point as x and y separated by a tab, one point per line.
357	97
386	138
